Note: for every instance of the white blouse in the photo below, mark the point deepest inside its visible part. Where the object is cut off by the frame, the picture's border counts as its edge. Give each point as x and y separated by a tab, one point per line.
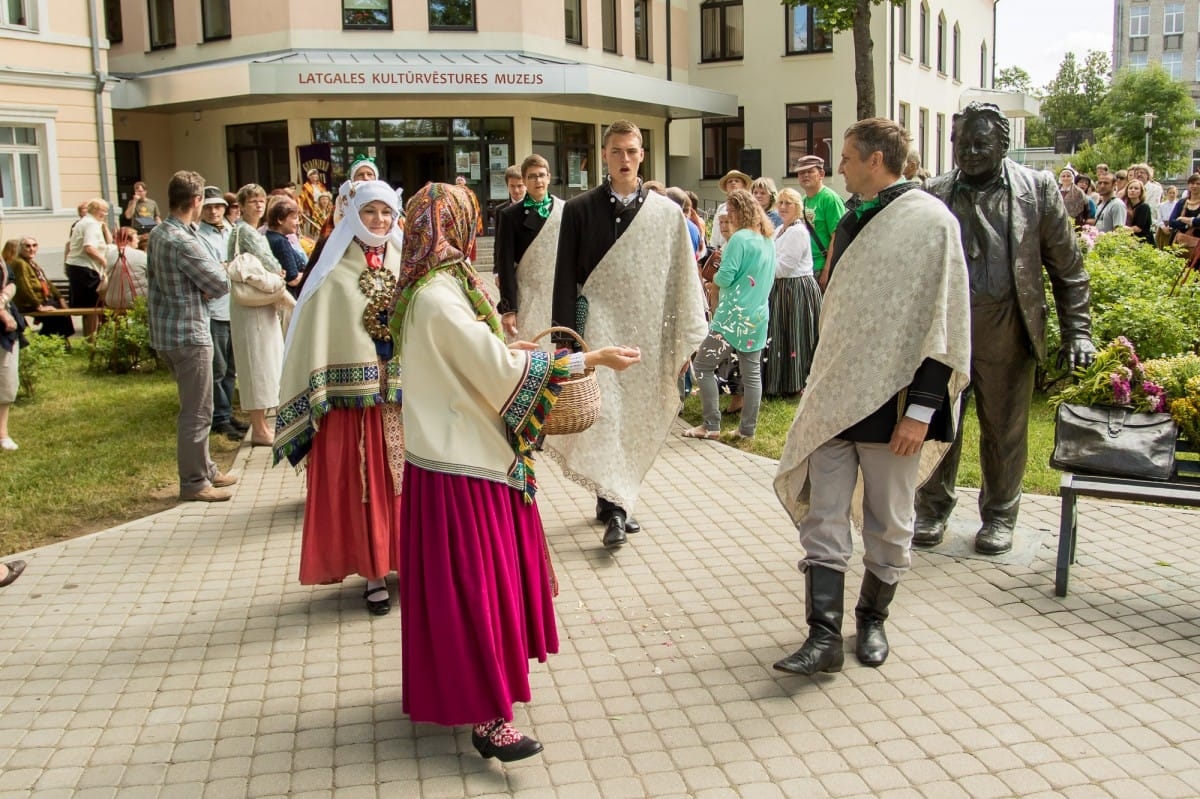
793	252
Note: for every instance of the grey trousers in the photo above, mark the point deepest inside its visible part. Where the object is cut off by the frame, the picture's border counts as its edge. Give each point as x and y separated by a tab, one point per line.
192	369
711	352
889	483
1002	375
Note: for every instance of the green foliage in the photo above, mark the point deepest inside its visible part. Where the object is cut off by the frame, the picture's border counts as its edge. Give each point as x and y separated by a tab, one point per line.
1131	284
42	356
122	342
1073	98
1014	79
851	15
1180	378
1132	94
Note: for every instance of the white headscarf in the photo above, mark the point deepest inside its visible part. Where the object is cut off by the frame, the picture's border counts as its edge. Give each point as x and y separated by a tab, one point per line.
357	196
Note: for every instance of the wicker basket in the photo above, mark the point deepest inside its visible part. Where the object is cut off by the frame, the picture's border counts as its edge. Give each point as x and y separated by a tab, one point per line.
578	404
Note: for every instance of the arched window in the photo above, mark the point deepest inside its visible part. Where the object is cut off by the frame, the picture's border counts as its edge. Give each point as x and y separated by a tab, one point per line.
924	33
983	66
903	26
956	57
941	44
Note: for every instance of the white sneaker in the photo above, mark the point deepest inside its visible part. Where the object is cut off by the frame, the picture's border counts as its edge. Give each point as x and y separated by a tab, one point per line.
8	444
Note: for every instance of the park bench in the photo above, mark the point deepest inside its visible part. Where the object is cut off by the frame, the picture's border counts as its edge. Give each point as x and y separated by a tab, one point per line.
64	289
1182	489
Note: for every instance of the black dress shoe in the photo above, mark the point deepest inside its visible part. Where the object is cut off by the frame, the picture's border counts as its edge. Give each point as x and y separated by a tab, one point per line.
15	568
229	430
994	539
632	526
517	750
928	532
614	531
377	607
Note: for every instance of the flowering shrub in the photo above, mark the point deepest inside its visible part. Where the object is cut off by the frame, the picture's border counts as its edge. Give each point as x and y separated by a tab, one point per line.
1116	377
1180	378
1087	238
1131	297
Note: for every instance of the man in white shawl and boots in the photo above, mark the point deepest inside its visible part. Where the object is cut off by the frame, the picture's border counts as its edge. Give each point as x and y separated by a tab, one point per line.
526	248
893	357
626	272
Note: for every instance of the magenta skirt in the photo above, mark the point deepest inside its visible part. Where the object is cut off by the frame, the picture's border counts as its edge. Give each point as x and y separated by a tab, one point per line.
476	597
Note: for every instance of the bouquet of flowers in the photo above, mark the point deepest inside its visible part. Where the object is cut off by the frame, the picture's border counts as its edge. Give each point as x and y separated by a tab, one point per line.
1087	238
1116	377
1180	377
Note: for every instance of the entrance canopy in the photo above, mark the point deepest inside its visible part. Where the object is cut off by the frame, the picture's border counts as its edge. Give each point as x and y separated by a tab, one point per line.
419	74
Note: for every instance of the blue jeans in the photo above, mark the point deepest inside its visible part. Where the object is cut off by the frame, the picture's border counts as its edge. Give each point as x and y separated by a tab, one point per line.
224	376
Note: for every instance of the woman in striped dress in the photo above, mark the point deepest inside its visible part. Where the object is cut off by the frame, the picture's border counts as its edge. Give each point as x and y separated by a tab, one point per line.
795	303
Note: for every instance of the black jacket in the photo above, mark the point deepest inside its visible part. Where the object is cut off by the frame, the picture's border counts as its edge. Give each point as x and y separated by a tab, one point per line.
516	228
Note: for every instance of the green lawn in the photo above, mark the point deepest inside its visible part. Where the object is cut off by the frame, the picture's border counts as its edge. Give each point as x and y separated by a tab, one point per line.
776	417
96	450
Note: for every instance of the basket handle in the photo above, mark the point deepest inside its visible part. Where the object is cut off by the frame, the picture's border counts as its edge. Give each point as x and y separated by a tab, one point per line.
583	344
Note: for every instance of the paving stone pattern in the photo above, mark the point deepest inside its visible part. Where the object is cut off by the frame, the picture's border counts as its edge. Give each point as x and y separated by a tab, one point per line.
177	656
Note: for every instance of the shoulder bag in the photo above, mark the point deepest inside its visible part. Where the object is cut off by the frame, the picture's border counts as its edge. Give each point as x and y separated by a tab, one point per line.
250	284
121	290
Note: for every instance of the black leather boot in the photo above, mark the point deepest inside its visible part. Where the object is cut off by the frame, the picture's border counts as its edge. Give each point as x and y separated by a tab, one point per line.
824	602
870	643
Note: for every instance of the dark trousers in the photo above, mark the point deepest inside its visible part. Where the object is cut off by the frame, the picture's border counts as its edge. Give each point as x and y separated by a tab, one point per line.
1002	374
224	376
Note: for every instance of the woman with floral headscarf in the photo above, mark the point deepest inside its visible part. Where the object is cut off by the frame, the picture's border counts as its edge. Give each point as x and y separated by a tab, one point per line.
476	595
341	415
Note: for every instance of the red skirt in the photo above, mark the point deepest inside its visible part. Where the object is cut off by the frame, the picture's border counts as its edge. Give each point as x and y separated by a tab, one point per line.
476	597
351	507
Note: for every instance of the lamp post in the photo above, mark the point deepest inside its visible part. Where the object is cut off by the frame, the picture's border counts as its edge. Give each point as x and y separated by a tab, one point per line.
1148	119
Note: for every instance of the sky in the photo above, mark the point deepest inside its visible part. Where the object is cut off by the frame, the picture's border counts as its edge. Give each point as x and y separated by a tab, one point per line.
1036	34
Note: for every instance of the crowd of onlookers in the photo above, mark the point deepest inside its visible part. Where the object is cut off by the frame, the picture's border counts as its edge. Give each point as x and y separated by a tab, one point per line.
1131	199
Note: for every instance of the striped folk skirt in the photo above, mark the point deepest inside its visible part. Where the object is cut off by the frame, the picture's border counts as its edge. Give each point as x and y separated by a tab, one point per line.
795	304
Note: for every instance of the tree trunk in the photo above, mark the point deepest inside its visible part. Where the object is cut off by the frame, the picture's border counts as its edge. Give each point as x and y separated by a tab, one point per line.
864	60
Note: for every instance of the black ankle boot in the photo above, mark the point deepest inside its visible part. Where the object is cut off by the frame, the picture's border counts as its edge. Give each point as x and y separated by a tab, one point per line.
870	643
824	605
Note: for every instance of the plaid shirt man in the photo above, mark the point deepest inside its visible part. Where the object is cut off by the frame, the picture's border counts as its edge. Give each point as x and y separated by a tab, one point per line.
183	275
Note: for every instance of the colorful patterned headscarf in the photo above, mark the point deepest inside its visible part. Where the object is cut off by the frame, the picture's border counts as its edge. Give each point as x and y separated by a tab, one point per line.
439	230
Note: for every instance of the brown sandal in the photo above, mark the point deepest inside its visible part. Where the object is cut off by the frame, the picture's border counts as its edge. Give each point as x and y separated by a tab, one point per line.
699	431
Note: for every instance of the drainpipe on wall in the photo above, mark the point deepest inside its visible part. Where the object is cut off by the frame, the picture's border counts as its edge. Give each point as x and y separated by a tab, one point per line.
101	80
891	38
667	126
992	82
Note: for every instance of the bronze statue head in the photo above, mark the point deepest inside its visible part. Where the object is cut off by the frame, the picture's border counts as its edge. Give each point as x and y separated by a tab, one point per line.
979	134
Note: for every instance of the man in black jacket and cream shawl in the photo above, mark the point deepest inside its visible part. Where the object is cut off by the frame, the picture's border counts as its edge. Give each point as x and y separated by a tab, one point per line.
626	271
882	396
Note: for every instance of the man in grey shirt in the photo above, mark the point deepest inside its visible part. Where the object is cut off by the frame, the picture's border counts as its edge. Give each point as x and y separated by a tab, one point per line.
1110	211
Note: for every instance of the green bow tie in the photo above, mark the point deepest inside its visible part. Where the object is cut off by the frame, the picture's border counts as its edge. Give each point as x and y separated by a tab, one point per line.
543	207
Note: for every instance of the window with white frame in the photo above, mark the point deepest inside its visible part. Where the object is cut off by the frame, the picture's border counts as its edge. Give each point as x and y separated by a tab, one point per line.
1139	21
903	117
923	135
1172	18
902	11
1172	62
22	159
983	66
17	13
1137	60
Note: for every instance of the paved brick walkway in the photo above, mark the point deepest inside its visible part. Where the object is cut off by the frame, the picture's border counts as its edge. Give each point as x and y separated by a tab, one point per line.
177	656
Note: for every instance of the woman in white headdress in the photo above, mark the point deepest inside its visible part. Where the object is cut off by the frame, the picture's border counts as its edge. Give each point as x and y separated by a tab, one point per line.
341	413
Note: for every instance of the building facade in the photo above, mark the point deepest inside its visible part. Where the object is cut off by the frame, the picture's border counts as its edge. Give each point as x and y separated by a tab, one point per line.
796	90
430	89
55	120
1165	32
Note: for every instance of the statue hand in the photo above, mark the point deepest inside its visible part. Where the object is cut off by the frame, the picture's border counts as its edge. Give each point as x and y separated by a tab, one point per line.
1077	353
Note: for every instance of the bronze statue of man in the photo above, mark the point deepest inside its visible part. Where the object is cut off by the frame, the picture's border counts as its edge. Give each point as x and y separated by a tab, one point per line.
1013	224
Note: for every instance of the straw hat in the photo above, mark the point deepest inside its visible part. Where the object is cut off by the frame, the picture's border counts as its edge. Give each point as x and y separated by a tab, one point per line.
732	175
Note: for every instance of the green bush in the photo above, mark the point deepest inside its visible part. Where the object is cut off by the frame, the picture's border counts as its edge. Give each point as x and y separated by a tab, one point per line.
122	341
40	357
1131	296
